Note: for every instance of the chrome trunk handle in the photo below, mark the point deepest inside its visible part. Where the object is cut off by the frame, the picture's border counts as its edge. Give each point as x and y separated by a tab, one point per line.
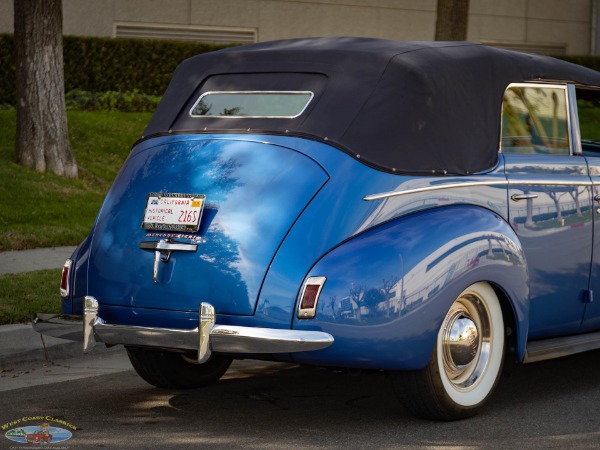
162	252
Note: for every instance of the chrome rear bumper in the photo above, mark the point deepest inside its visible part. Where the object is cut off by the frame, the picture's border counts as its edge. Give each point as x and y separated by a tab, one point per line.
204	339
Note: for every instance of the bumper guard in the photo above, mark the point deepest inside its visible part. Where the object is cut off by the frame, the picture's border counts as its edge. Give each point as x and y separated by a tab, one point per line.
208	337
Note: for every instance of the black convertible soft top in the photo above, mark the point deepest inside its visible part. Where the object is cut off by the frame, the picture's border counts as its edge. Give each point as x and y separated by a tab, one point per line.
404	107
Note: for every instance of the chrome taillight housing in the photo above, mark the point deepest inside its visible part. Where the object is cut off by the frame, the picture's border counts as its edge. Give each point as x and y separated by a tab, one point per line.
64	280
307	307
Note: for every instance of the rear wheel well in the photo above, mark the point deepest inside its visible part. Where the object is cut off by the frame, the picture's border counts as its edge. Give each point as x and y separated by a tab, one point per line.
466	363
510	327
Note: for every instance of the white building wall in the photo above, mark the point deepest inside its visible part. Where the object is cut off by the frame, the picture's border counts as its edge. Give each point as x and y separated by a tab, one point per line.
6	16
567	23
555	25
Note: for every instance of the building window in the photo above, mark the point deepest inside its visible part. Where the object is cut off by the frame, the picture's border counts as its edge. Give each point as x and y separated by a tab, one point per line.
210	35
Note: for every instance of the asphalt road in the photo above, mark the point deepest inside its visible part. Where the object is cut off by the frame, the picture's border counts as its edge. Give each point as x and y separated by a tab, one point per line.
553	404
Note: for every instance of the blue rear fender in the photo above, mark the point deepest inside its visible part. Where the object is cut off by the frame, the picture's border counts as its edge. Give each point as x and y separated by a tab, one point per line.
389	288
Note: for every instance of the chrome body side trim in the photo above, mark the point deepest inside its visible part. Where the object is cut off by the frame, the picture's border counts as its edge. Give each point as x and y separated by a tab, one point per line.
517	181
207	338
562	346
465	184
437	187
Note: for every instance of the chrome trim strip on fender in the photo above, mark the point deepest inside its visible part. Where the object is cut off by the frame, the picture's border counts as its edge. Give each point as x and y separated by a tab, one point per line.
464	184
207	338
437	187
515	182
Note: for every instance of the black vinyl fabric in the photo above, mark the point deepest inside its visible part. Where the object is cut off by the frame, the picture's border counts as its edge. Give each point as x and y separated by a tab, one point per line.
403	107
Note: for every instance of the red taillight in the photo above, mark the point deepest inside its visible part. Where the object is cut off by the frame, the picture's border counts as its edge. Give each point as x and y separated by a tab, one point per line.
307	308
64	280
310	296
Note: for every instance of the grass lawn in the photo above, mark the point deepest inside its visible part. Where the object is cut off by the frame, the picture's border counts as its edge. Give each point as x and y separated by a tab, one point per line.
24	294
44	210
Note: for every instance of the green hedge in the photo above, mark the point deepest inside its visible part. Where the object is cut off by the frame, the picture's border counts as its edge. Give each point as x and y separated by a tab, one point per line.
7	70
106	64
593	62
128	101
132	67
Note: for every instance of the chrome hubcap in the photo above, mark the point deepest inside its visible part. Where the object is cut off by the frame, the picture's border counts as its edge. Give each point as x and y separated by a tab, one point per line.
466	337
461	341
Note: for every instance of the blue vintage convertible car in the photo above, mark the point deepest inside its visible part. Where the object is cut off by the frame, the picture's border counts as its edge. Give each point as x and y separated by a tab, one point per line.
425	209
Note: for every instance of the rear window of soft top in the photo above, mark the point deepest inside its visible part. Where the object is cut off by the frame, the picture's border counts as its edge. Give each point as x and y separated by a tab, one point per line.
248	104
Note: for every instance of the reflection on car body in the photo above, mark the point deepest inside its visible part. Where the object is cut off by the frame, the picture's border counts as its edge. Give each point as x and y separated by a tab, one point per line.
425	209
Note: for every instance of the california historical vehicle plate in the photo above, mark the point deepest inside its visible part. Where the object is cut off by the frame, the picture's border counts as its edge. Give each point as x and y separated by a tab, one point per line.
173	212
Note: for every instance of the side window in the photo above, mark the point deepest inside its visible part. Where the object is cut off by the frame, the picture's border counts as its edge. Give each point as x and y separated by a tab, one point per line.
534	120
588	110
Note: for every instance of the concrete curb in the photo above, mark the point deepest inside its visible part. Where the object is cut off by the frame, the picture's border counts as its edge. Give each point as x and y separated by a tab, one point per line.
21	344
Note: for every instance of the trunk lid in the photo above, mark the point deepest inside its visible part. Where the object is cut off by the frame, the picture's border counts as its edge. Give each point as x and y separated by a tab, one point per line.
254	193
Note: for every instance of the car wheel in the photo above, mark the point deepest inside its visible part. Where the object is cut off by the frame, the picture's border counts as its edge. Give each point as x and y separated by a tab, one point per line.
466	363
176	370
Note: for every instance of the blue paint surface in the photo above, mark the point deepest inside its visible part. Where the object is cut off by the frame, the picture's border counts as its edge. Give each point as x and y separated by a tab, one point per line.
280	209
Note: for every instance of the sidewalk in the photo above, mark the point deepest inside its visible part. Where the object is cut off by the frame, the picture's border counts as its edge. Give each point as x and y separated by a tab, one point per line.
19	343
37	259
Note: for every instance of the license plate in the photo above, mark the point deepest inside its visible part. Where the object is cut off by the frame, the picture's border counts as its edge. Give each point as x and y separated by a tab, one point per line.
173	212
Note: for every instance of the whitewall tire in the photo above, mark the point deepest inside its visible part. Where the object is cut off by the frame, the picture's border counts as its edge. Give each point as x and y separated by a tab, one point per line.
466	363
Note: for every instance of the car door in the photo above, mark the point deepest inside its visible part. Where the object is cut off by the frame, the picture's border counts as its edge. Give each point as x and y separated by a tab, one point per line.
588	108
549	197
